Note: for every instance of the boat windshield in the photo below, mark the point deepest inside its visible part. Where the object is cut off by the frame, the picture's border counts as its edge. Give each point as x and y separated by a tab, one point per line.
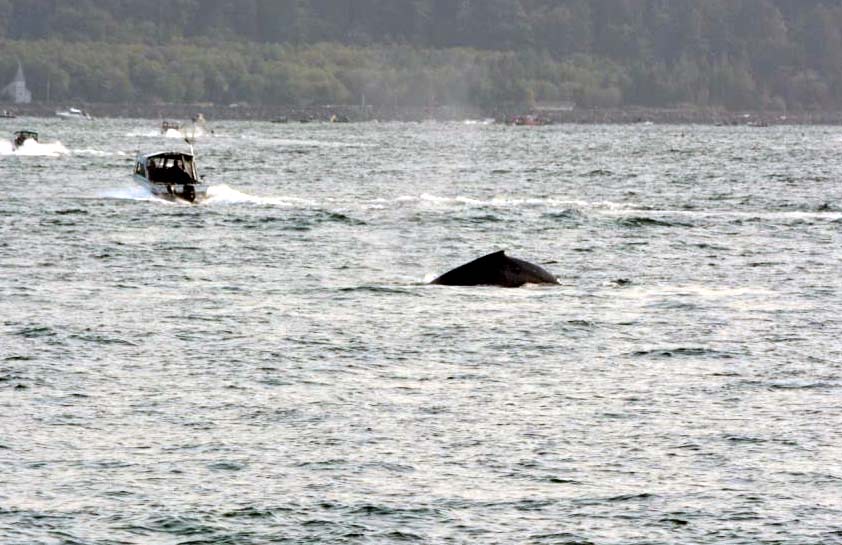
171	169
23	136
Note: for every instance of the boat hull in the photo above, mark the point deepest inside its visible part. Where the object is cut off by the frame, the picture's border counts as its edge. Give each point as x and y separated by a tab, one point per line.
75	115
187	193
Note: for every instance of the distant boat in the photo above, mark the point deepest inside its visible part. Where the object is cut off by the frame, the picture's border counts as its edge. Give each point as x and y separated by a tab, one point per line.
170	126
22	136
170	175
528	121
7	114
74	113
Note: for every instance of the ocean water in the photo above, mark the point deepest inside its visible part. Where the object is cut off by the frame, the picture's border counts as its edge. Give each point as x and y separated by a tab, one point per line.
271	366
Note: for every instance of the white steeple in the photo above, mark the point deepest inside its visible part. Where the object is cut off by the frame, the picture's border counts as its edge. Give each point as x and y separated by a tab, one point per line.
17	91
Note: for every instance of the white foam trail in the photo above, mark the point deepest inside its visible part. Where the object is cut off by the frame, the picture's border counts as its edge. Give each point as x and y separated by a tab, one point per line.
307	143
97	153
192	132
461	201
144	134
170	133
739	214
132	192
486	121
429	277
745	298
225	194
31	148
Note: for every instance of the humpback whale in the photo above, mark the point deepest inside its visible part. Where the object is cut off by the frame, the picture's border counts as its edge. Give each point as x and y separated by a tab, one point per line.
496	269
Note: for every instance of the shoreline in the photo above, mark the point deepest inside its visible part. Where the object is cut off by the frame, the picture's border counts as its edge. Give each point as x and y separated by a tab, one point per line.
296	114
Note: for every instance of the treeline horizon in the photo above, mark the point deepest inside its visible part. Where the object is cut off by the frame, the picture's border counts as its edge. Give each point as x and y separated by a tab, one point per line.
749	54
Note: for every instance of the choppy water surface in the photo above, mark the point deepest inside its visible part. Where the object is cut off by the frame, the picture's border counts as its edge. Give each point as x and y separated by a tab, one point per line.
270	367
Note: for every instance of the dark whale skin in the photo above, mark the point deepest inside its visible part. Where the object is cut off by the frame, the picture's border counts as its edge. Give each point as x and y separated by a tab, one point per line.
496	269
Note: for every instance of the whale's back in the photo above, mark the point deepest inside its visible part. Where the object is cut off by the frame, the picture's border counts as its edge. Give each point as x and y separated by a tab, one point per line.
496	269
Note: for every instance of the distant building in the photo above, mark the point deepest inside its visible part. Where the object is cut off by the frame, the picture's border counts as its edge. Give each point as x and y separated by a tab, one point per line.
17	91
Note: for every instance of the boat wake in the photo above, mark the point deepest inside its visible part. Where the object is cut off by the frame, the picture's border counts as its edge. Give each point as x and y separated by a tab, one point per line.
132	192
306	143
143	134
459	202
179	134
485	121
31	148
225	194
98	153
220	194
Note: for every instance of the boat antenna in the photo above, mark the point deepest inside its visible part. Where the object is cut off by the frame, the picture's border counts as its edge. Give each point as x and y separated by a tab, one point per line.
190	138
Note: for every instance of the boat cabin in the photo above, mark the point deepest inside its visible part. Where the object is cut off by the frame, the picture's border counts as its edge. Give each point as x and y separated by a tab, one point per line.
23	136
168	168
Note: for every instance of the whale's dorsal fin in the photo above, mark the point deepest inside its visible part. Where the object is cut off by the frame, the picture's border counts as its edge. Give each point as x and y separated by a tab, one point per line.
495	255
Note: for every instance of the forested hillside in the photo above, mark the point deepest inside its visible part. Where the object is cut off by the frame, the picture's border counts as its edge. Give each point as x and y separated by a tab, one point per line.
737	54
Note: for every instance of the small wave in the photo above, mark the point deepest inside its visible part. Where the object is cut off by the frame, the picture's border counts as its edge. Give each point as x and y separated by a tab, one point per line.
170	133
461	201
71	212
805	385
143	134
98	153
569	215
31	148
478	219
486	121
681	351
307	143
96	338
310	219
174	525
339	217
380	290
643	221
823	212
32	332
631	497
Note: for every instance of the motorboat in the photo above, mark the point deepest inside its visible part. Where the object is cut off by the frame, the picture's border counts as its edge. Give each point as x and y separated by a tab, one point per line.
171	175
74	113
22	136
167	126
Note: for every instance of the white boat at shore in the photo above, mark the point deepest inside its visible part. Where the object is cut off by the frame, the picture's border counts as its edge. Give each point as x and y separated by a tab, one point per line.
74	113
